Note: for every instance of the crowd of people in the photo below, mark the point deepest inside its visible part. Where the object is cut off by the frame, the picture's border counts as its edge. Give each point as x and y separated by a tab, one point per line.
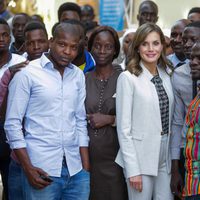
86	115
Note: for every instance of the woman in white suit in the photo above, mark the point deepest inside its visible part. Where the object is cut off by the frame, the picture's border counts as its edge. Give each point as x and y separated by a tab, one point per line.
144	103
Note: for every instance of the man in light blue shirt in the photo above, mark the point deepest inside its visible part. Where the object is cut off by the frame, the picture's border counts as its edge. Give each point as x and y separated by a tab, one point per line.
47	98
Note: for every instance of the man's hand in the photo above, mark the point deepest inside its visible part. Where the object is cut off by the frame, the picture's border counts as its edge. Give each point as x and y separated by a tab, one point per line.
85	158
15	68
98	120
34	177
176	180
136	182
32	173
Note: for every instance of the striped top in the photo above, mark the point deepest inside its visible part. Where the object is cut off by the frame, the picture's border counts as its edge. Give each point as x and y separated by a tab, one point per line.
192	149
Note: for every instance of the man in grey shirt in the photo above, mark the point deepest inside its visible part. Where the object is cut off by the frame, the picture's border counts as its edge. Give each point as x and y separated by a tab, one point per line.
182	85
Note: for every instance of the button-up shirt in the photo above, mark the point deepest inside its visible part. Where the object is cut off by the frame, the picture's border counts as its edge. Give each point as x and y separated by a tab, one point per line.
182	86
54	115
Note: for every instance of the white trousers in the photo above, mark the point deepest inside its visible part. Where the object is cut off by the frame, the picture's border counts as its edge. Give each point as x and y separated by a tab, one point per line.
156	187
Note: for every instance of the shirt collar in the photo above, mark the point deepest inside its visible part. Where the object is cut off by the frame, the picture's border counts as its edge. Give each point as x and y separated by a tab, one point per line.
174	59
45	62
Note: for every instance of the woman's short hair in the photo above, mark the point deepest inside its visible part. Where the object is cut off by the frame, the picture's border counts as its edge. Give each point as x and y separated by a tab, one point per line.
109	29
133	58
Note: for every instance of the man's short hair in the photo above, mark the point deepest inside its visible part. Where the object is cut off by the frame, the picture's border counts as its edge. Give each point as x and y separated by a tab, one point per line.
24	14
76	22
35	25
66	27
151	3
194	10
88	8
69	6
70	21
193	24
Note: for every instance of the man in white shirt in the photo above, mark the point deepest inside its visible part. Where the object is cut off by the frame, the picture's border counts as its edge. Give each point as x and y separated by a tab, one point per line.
49	96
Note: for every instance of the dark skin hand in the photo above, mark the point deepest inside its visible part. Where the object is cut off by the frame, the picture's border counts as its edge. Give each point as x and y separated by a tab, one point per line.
176	179
32	173
16	68
85	158
98	120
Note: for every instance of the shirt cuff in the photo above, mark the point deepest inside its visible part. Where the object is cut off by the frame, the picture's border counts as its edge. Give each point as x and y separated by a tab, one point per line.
17	144
175	153
83	141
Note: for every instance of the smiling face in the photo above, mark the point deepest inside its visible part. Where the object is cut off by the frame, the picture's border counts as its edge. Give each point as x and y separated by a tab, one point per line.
150	49
36	42
176	37
103	48
64	48
4	37
190	36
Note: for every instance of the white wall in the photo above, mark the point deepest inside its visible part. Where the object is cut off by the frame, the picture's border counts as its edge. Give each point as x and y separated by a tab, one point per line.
170	10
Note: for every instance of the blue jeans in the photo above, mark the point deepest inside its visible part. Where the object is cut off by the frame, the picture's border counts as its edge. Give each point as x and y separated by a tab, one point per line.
15	189
76	187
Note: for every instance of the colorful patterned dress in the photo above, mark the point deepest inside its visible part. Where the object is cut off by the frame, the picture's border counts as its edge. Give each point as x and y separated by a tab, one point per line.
192	149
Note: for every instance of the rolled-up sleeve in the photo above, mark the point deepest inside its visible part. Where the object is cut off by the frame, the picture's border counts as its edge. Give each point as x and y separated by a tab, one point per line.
81	123
18	98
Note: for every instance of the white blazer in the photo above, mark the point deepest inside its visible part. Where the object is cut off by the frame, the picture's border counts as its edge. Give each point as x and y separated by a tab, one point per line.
139	124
